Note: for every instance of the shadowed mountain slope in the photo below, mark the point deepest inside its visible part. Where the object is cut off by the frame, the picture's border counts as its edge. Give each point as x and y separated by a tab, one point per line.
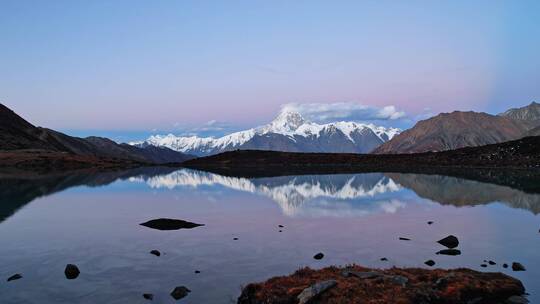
17	134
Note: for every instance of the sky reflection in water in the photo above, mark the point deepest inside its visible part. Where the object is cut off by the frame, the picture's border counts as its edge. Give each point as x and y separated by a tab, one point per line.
351	218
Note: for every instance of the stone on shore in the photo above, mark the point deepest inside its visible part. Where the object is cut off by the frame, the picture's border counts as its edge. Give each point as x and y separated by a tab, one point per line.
314	291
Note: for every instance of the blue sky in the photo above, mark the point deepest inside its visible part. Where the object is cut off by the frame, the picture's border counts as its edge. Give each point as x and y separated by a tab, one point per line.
126	69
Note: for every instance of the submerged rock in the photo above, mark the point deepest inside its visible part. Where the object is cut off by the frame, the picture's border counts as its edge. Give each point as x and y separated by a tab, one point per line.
517	267
449	241
71	271
356	284
449	252
318	256
169	224
155	252
314	291
148	296
14	277
180	292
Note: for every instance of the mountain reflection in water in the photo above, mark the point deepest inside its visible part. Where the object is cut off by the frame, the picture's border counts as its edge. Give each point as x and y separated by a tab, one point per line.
303	195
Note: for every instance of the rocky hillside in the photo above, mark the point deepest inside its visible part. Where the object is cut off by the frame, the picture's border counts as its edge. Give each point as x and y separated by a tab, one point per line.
529	115
454	130
18	134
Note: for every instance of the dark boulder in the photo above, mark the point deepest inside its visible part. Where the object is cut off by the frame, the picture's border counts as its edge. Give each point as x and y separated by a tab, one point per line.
71	271
180	292
517	267
14	277
449	241
155	252
449	252
318	256
404	239
430	263
169	224
148	296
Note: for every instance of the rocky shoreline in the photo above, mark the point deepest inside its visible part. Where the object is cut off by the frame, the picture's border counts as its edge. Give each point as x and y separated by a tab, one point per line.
357	284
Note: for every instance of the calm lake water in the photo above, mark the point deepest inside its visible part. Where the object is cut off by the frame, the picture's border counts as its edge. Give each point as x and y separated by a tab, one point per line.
93	222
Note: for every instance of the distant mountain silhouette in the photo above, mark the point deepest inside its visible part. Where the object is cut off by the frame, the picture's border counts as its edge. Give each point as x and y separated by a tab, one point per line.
18	134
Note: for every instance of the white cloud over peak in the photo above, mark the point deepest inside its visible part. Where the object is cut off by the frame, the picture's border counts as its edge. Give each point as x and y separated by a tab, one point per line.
348	111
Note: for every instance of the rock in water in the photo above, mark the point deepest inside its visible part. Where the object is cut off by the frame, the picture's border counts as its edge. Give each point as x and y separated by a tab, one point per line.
148	296
180	292
71	272
384	259
430	263
449	241
430	222
14	277
281	226
517	267
169	224
318	256
155	252
449	252
314	290
491	263
404	239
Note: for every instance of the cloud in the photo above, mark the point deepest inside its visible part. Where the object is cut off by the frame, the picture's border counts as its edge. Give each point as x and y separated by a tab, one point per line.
329	112
210	128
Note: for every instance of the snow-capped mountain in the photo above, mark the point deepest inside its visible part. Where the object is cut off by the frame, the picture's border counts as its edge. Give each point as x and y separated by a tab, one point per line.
289	132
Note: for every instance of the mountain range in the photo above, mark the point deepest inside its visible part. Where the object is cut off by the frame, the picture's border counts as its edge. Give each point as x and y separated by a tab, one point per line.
289	132
448	131
17	134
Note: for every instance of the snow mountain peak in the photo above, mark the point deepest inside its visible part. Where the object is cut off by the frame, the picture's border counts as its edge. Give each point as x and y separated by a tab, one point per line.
290	132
